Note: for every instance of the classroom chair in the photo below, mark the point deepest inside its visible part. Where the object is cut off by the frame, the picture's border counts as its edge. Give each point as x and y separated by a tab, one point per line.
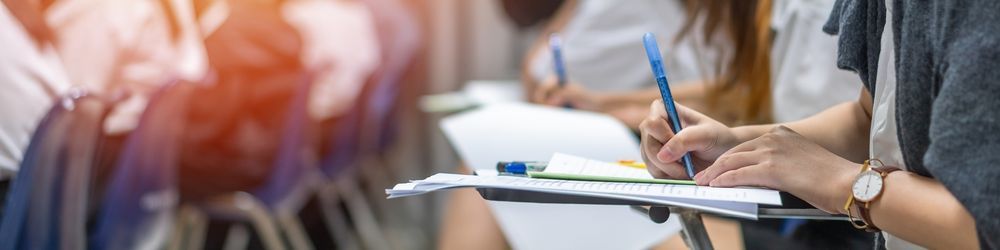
362	137
47	204
140	199
271	208
399	38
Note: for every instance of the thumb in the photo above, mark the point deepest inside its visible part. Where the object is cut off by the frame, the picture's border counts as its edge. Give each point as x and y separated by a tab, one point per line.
691	139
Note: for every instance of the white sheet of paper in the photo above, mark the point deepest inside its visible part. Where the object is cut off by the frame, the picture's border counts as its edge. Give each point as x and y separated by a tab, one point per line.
570	164
517	131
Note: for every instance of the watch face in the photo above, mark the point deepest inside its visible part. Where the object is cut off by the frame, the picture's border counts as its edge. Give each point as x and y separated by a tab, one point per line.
867	186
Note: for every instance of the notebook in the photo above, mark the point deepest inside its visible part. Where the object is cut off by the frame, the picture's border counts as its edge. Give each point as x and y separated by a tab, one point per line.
570	167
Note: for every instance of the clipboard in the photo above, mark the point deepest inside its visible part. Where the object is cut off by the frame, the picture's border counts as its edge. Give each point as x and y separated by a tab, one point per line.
693	228
792	207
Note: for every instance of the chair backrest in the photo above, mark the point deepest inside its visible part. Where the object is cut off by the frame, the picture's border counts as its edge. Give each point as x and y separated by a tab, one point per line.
47	205
399	39
289	165
344	142
367	127
141	195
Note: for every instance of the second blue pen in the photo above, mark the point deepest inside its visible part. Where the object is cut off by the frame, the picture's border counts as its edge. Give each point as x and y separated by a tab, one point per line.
656	62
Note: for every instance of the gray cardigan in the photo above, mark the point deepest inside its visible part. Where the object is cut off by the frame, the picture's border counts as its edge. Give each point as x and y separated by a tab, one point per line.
948	91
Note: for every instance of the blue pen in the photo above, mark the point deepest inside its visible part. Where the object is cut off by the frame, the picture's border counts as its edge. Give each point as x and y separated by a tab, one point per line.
656	62
555	44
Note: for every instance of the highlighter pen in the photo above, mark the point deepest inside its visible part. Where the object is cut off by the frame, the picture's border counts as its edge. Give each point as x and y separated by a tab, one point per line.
632	164
656	62
555	45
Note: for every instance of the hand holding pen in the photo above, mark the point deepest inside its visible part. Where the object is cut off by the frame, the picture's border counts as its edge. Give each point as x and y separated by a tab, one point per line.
559	90
672	133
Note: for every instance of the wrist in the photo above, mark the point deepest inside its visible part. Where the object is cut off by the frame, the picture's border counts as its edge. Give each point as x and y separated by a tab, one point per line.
842	180
745	133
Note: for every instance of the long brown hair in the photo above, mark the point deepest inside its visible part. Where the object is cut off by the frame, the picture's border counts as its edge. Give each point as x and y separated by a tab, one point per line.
740	89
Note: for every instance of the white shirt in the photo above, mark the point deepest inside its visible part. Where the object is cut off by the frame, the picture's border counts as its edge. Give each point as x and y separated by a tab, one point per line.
340	44
884	143
30	79
603	51
805	78
107	45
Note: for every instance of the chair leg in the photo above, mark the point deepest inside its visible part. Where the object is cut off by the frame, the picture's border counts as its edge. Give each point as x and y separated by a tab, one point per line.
335	220
361	212
293	229
189	229
261	220
398	220
246	206
237	237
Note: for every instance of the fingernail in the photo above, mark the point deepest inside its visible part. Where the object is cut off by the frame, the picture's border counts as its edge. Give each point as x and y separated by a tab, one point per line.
665	155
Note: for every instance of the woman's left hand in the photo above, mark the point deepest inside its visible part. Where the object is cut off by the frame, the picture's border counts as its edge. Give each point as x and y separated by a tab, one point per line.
785	160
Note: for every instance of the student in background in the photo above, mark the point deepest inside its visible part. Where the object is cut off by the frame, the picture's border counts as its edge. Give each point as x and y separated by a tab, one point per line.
767	77
604	60
928	107
127	46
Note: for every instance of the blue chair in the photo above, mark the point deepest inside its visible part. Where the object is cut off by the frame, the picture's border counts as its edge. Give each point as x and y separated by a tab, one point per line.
141	195
47	204
362	136
271	208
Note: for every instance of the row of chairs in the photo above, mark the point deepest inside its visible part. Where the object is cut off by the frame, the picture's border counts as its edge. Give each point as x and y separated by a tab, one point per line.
55	203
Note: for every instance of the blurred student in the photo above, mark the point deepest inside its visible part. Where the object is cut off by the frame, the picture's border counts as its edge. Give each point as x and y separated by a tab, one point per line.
31	78
928	107
743	60
133	47
604	60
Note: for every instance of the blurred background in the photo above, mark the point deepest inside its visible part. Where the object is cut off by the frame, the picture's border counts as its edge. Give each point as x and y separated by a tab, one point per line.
166	93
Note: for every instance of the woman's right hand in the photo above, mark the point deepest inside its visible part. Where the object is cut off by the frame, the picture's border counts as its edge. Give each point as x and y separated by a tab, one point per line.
705	138
573	94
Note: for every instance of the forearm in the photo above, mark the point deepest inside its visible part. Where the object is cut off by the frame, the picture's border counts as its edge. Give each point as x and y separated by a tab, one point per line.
842	129
921	210
687	94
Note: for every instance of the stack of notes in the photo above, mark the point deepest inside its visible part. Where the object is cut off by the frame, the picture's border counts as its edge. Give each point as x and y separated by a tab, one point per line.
577	176
569	167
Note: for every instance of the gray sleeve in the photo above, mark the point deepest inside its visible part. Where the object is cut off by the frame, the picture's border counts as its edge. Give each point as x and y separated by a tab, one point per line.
964	153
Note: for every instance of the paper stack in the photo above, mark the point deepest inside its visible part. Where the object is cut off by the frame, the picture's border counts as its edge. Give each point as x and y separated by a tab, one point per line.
738	202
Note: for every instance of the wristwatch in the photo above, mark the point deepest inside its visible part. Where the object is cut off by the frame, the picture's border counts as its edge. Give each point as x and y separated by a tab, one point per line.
867	188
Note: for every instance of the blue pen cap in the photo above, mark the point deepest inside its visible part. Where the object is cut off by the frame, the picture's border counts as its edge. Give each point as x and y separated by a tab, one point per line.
516	168
653	52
